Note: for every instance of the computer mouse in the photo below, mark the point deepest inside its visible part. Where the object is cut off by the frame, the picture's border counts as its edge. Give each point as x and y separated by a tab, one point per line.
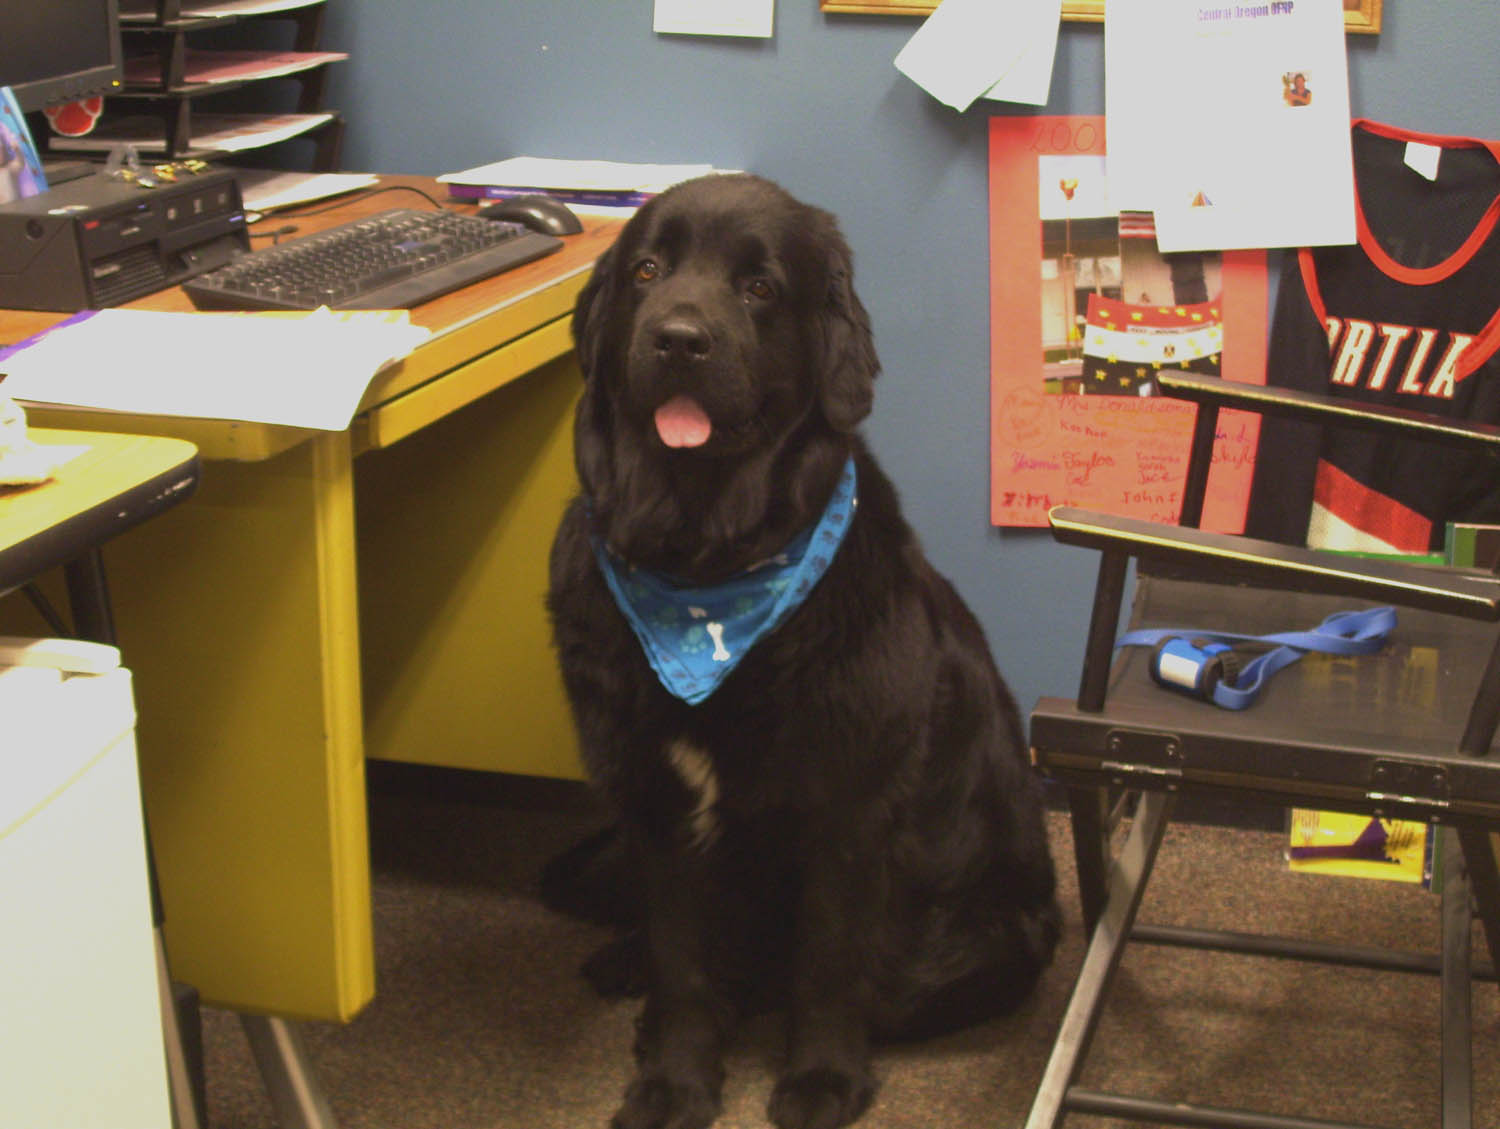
546	214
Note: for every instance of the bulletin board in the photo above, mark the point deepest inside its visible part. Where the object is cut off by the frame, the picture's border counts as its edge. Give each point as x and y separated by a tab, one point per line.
1122	454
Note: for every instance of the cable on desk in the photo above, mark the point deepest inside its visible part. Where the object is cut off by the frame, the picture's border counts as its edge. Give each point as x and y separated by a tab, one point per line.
343	201
291	229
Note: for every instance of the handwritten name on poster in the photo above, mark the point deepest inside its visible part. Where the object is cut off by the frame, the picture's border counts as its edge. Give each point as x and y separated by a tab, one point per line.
1080	428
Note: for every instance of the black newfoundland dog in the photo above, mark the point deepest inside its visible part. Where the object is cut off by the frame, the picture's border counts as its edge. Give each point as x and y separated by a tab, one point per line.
818	775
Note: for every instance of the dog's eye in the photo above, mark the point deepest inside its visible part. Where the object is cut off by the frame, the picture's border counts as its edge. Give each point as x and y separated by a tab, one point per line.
760	289
646	270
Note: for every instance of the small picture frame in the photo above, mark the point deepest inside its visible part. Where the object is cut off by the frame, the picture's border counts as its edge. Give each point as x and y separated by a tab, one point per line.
1360	16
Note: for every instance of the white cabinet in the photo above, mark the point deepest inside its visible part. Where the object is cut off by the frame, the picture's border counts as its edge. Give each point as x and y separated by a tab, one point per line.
80	1015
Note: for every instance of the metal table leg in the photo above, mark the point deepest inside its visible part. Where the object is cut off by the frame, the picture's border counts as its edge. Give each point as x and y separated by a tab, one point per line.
284	1067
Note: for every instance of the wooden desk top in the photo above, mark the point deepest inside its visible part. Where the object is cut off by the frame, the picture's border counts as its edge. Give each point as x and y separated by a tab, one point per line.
114	482
466	323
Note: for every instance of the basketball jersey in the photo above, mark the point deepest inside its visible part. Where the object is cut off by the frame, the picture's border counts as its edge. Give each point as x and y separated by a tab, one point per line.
1409	316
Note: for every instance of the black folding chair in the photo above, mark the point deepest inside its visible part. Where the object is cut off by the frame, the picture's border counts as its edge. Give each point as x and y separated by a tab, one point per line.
1385	744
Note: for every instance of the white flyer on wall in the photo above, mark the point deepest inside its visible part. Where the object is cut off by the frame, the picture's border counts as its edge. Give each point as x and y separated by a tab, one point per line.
1230	120
745	18
969	48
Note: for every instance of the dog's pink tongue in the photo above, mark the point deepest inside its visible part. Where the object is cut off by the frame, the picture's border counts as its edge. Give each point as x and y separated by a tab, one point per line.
681	422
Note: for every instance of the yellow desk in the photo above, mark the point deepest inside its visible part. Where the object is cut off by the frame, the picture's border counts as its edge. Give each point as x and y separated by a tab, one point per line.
328	596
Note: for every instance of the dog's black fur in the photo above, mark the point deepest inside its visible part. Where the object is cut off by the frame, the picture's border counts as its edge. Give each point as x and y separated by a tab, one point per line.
859	830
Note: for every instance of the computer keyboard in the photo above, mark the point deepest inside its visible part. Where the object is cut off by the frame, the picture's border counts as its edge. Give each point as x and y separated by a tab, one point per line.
390	260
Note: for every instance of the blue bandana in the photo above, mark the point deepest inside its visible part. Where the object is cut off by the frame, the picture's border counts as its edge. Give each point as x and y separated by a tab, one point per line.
695	636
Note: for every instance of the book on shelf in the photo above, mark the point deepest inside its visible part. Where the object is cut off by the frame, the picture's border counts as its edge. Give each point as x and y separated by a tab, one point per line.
604	183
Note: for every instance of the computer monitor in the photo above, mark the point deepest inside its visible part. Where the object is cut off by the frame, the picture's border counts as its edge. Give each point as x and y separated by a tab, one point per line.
60	50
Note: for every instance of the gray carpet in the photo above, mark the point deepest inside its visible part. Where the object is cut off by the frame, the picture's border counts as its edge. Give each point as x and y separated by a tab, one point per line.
480	1020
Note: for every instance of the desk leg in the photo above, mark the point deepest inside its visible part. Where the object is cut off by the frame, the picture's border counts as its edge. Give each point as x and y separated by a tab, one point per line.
88	597
289	1078
185	1083
238	613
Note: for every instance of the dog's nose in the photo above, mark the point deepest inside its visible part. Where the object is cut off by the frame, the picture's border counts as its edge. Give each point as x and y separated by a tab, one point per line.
682	337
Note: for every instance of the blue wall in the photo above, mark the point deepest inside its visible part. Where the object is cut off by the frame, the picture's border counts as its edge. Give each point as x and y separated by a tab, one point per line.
439	85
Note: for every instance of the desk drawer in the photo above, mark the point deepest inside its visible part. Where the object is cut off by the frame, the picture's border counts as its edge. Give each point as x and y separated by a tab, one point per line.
390	422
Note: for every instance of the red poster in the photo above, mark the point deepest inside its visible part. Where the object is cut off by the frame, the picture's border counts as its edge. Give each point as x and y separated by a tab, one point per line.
1082	309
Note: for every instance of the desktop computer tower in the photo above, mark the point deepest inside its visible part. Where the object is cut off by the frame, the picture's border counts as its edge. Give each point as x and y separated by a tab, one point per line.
100	241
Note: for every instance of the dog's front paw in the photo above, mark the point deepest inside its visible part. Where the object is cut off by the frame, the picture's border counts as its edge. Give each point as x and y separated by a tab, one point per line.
660	1103
821	1098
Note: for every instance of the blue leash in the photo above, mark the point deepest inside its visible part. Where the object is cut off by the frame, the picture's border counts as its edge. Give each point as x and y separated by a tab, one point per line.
1203	663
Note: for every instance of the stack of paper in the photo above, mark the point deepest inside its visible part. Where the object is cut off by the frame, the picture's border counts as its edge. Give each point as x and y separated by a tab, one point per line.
603	183
304	370
266	189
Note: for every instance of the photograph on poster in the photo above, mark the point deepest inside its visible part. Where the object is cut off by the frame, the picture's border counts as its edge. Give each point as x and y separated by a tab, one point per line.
1296	89
1114	309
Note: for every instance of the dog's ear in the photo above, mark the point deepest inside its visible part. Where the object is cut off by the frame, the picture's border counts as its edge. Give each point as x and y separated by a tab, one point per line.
591	422
589	313
591	441
850	363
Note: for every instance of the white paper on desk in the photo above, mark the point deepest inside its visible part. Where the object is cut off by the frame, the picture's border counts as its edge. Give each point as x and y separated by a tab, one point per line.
967	47
265	189
1203	131
302	370
587	175
746	18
